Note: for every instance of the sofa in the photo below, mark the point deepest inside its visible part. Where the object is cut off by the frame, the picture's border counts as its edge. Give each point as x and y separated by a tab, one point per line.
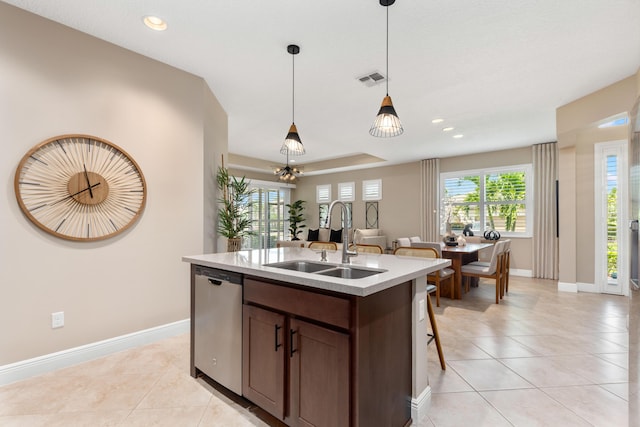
369	236
407	241
315	235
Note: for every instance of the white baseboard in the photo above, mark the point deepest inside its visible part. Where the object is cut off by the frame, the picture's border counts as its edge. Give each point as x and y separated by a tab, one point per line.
50	362
567	287
420	405
588	287
520	272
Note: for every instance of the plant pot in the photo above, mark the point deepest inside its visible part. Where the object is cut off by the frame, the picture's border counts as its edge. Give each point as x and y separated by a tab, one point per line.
234	244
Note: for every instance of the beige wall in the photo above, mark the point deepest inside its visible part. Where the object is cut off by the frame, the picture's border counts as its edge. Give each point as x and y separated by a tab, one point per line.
398	211
57	81
577	134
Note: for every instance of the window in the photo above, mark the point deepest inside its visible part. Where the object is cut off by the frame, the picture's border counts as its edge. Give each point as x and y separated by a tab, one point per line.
494	199
372	189
323	193
346	191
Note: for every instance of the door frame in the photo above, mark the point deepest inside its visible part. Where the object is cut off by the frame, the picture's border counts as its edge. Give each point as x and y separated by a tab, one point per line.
601	151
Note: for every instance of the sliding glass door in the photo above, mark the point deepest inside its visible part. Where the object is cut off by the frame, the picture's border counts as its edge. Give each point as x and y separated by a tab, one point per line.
268	216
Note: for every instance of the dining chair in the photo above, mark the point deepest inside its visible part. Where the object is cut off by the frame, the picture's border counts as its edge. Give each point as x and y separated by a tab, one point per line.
367	249
323	245
425	253
506	261
434	327
507	265
491	271
441	276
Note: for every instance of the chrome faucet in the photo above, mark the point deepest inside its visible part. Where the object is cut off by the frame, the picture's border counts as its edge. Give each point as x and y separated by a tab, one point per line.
346	253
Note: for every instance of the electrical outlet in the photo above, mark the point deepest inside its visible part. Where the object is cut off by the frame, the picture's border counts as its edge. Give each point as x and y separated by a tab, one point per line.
421	310
57	319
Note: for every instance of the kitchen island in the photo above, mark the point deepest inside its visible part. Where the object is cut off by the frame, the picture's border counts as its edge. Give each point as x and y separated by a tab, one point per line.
322	349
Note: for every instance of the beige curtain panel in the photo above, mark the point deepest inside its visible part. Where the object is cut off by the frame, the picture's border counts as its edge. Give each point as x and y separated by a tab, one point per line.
545	242
430	227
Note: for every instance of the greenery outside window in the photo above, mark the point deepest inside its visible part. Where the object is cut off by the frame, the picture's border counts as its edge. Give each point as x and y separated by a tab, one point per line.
498	199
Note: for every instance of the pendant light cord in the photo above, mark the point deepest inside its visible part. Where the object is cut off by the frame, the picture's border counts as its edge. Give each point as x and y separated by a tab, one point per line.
387	50
293	93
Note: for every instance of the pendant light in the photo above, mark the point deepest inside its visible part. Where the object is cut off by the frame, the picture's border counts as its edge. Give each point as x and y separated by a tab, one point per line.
292	144
387	123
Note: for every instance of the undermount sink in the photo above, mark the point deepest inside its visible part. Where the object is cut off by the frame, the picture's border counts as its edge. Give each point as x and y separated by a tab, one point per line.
303	266
326	269
350	272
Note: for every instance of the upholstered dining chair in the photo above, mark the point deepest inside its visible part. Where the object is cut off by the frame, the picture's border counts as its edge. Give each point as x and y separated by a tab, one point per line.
367	249
331	246
507	265
506	261
491	271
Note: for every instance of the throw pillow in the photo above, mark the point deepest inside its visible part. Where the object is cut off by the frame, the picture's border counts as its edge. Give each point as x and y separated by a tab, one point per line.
336	236
404	241
313	235
324	234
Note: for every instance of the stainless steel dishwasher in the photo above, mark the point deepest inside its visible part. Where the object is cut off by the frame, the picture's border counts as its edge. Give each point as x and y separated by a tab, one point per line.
217	333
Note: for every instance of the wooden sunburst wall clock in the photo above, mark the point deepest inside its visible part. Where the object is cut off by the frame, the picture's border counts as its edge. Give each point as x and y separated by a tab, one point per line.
80	188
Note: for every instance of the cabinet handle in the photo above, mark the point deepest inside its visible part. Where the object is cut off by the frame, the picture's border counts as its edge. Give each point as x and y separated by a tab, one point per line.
291	332
277	328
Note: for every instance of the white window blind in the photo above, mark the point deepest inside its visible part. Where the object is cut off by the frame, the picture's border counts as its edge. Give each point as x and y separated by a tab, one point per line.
346	191
372	189
492	199
323	193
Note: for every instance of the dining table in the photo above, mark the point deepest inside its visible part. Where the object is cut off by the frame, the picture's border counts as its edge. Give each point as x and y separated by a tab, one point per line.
460	255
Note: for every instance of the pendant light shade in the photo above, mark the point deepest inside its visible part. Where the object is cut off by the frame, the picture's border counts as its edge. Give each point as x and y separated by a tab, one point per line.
387	123
292	144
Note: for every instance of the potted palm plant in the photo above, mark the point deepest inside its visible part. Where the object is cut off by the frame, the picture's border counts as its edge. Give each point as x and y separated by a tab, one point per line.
296	218
234	221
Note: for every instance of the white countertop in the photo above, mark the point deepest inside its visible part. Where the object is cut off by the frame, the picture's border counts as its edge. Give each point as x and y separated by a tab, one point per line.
400	269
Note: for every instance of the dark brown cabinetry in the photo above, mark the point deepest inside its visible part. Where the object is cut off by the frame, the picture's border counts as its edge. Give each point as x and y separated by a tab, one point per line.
318	376
263	359
323	359
284	356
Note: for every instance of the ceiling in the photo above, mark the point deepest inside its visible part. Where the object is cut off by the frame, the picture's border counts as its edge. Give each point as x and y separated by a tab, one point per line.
494	70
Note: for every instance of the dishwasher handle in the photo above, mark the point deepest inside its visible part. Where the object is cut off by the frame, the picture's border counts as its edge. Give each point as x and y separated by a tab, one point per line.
215	282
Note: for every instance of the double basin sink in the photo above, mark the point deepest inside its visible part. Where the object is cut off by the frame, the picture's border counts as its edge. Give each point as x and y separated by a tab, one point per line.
327	269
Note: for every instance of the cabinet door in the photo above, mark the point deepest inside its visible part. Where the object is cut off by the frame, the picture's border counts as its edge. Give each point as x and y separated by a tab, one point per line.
263	359
319	376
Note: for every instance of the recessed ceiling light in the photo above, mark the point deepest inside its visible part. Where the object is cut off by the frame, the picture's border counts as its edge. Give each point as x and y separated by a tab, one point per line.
292	161
155	23
447	129
458	136
436	121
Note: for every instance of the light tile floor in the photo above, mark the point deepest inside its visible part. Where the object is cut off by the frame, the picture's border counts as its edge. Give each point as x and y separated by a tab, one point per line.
540	358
